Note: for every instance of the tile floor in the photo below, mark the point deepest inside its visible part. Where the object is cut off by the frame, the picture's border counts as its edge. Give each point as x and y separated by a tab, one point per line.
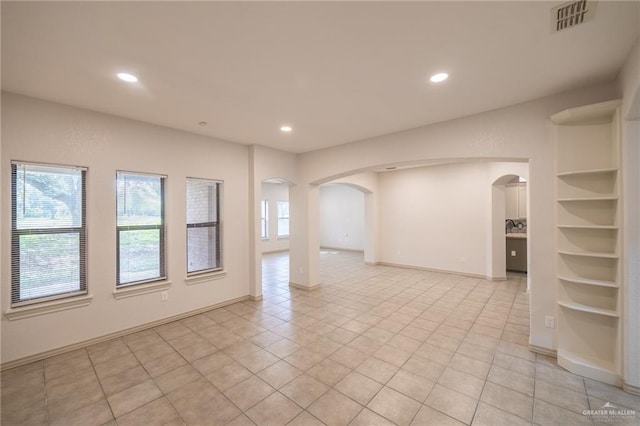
374	346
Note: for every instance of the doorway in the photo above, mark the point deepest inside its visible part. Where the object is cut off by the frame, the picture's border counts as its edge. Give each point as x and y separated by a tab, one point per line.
274	234
510	233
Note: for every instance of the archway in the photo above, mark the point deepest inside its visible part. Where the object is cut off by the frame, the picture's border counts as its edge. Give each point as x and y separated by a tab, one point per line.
509	226
365	183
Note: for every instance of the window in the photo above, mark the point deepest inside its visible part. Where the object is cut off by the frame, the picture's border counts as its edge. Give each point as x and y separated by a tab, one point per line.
265	220
48	232
283	219
203	226
140	228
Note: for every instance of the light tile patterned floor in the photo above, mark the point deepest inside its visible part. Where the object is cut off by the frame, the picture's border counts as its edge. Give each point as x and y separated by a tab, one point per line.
374	346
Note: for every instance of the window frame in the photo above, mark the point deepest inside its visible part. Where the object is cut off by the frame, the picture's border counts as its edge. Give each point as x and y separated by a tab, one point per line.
217	225
288	217
15	301
162	233
264	220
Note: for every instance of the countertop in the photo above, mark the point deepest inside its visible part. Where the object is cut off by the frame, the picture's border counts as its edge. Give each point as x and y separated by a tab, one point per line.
521	235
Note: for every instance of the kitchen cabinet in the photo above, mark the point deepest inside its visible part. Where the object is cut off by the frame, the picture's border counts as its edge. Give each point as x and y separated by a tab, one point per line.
516	252
516	201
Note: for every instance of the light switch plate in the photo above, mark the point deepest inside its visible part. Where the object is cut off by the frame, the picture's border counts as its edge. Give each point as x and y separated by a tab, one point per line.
549	321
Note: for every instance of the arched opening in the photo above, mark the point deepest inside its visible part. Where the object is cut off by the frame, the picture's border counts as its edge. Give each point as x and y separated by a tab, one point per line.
510	232
342	221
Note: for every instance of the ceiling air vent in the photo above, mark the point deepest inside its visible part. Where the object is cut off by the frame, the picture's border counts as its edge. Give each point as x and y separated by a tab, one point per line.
570	14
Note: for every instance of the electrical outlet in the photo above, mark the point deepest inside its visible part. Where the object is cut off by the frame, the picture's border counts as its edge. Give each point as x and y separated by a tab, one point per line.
164	296
549	321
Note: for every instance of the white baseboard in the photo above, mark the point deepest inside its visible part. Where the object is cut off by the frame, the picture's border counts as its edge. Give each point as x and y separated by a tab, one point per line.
304	287
275	251
83	344
341	249
631	388
543	351
443	271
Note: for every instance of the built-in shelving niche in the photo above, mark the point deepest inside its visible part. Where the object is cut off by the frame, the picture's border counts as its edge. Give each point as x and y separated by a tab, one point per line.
588	213
587	186
588	268
588	241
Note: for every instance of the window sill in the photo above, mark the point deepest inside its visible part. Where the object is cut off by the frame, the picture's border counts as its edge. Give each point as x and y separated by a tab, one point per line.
283	238
202	278
139	289
48	307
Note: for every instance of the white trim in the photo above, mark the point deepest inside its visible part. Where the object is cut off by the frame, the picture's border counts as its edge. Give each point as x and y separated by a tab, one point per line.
543	351
137	290
32	163
125	172
341	249
43	355
276	251
497	278
587	113
205	179
44	308
304	287
444	271
631	388
206	277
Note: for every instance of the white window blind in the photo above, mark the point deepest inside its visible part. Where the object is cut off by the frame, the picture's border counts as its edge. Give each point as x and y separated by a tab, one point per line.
283	219
204	234
48	232
140	228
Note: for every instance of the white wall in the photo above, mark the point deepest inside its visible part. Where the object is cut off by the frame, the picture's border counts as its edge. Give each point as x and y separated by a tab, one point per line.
517	133
368	184
341	217
435	217
264	163
274	192
629	89
39	131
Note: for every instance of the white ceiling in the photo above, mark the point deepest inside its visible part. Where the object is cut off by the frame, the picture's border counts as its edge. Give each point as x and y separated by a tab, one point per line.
335	71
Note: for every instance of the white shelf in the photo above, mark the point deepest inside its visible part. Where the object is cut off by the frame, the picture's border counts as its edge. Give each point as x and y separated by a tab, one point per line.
573	199
587	114
589	254
588	221
601	370
588	309
587	172
588	227
586	281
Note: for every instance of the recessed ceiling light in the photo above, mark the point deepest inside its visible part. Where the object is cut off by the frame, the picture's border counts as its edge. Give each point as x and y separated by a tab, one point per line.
129	78
439	77
286	129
